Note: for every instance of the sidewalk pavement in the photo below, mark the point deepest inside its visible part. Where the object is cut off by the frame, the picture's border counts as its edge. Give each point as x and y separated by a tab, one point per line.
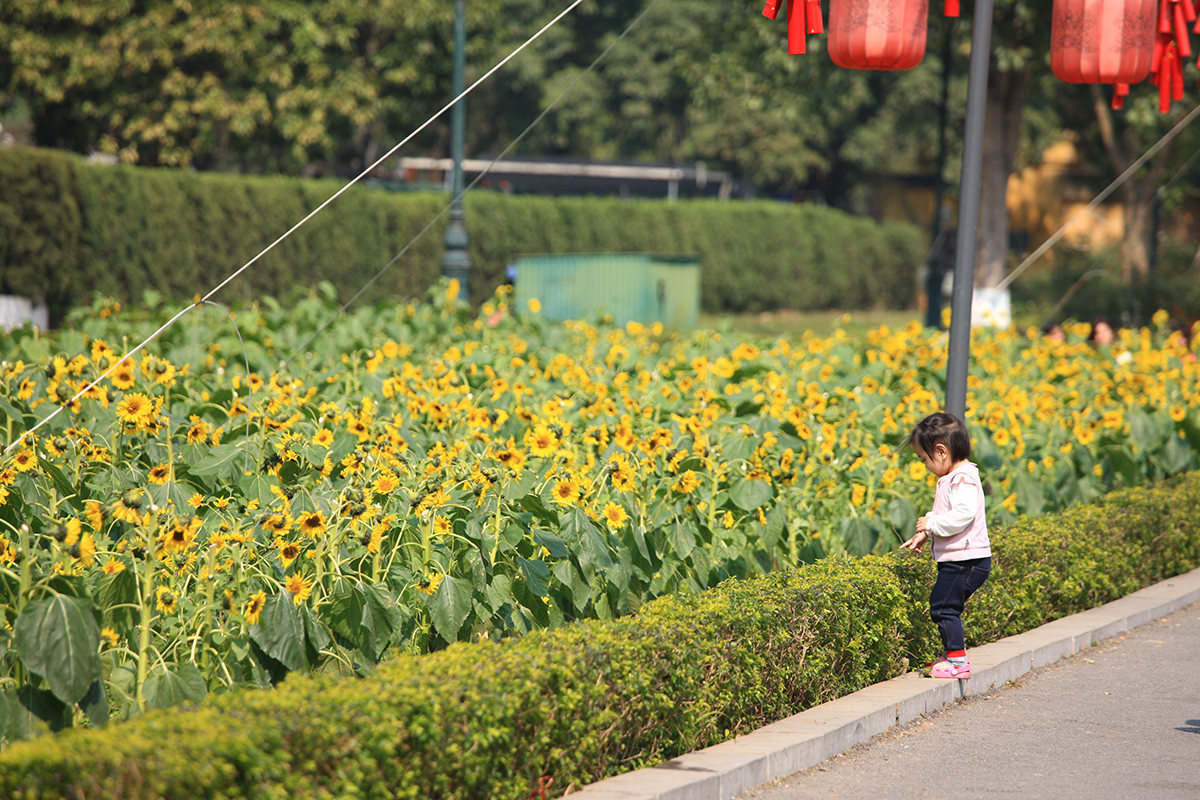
772	753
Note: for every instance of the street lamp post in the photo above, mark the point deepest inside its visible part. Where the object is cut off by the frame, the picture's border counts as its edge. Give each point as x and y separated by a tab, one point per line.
958	355
456	263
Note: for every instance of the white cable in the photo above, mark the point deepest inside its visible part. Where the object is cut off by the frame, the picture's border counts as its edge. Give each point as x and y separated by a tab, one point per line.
295	227
1124	176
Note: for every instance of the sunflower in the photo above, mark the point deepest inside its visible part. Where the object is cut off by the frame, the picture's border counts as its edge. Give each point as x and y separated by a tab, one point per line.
179	536
622	476
615	515
429	582
1178	413
323	437
386	483
312	524
135	410
277	523
113	565
687	483
122	376
254	607
109	637
858	494
541	442
127	508
95	513
300	587
566	491
288	552
25	460
199	432
375	540
159	474
166	602
727	521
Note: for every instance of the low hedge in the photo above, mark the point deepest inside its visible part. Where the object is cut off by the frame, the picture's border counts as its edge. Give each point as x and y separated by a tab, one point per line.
565	707
70	228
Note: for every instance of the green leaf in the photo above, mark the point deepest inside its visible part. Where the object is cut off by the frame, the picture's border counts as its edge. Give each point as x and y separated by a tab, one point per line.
537	576
58	638
534	505
591	545
449	606
118	601
499	592
94	705
280	631
75	495
1030	495
682	539
903	516
859	535
749	494
223	460
556	546
316	638
569	577
1176	455
17	723
258	487
366	615
173	684
532	603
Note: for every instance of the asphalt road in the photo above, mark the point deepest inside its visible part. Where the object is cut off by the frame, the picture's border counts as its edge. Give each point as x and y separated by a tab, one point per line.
1120	721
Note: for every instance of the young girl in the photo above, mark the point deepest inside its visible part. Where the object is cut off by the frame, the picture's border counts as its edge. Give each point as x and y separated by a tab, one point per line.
959	532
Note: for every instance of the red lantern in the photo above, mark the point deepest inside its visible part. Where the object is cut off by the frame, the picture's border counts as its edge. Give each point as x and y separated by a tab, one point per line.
878	34
1103	41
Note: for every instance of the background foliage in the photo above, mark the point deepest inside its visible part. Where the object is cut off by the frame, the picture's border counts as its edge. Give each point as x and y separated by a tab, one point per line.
72	229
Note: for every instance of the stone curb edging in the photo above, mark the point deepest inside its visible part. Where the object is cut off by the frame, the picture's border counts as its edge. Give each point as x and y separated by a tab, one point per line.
803	740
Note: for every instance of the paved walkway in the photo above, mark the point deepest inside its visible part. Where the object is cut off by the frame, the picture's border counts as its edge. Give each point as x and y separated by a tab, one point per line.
1120	720
1103	705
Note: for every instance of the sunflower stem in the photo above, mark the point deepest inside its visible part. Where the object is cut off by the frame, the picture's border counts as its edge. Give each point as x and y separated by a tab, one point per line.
143	656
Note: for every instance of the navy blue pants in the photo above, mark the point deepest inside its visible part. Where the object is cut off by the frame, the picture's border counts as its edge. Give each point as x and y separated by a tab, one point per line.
956	581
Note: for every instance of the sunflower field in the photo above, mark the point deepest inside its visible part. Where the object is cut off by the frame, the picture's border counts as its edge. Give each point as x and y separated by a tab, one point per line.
261	492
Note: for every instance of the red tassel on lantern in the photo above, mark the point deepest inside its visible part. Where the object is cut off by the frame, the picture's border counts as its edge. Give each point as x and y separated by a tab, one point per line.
877	34
1172	44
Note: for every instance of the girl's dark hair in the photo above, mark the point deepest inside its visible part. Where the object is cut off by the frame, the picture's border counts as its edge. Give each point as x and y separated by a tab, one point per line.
941	428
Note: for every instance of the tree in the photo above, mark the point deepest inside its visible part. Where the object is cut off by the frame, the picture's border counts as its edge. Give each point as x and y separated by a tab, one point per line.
270	86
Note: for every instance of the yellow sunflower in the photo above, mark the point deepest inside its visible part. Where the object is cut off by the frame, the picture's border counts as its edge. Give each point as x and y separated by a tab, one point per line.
254	607
615	515
300	587
566	491
311	524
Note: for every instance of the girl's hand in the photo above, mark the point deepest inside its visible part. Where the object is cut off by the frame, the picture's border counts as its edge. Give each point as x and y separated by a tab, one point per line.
915	543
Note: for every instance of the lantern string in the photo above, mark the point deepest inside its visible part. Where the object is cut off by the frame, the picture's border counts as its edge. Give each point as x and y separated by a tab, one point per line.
1098	199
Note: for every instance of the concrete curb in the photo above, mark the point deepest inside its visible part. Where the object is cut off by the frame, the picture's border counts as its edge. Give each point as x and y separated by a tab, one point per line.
808	738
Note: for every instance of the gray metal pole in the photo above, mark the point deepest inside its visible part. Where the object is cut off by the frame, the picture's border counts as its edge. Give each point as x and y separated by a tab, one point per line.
968	212
456	263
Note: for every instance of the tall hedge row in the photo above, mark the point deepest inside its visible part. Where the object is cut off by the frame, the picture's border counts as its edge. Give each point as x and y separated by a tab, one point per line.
565	707
69	228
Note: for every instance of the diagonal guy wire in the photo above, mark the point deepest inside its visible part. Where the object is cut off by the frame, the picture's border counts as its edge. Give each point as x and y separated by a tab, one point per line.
483	173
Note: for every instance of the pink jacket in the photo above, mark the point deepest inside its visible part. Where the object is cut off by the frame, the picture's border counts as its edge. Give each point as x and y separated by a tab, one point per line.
959	534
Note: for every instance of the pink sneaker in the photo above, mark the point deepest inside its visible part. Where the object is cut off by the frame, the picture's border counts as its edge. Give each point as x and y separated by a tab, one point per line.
944	669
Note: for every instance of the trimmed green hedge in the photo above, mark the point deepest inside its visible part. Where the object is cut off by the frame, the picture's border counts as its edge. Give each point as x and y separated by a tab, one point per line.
597	698
70	228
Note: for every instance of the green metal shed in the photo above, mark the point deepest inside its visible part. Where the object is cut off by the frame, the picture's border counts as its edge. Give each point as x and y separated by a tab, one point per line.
632	287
